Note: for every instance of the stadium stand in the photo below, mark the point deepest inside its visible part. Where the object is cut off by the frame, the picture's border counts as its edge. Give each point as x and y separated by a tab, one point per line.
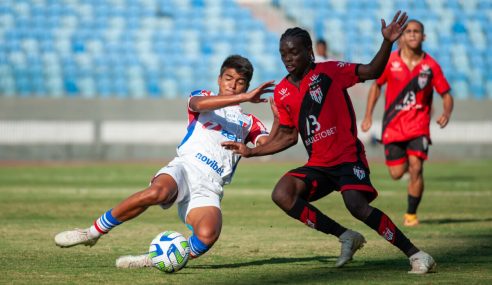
126	48
165	48
458	33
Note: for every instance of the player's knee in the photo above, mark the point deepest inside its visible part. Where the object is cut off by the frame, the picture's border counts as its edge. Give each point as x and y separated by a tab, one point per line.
359	210
415	170
396	174
208	235
157	194
282	198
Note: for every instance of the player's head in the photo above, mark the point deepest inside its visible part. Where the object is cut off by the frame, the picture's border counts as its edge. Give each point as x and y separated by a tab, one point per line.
413	35
321	47
296	51
235	75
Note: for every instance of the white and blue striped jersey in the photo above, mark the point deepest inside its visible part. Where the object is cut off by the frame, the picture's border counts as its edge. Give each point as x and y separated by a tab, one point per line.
207	130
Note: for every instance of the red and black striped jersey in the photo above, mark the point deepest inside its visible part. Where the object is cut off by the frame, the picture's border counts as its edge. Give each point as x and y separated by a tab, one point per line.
322	112
409	97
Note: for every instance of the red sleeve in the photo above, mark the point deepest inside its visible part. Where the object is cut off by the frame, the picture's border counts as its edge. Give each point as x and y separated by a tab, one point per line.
257	130
439	81
384	77
343	72
284	118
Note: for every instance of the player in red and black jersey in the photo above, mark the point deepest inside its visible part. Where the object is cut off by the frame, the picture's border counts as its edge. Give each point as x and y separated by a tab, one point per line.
411	75
312	101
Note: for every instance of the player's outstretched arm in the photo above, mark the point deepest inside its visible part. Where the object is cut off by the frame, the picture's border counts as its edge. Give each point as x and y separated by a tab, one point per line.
390	33
209	103
282	139
374	93
447	104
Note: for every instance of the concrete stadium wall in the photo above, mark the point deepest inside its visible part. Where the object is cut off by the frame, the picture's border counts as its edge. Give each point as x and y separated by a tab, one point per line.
149	129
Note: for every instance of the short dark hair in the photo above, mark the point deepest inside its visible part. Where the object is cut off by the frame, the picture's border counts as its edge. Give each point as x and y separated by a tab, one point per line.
418	22
298	33
321	41
241	64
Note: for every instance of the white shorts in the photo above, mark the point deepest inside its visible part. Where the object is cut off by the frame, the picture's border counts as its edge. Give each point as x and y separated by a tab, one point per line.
195	188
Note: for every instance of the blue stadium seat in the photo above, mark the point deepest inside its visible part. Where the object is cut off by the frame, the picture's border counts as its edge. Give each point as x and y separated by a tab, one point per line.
168	35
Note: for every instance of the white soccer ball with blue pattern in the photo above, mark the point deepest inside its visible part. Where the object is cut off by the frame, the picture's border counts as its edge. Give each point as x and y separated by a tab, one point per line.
169	251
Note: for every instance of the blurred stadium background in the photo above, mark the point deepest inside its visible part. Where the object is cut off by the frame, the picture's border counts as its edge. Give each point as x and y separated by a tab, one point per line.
108	79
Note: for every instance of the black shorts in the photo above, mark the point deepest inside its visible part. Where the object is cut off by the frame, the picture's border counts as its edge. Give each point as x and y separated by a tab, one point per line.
398	152
321	181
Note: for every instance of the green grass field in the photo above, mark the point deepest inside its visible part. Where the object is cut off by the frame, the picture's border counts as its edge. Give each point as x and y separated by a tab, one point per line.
259	244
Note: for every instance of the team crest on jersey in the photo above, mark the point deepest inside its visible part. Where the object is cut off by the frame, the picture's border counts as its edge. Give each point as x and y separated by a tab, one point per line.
316	95
424	76
284	92
395	66
359	172
315	89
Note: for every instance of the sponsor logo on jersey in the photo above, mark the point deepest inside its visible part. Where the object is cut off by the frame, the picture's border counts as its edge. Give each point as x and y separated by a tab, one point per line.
359	172
210	163
341	64
424	76
320	135
284	92
395	66
217	127
230	136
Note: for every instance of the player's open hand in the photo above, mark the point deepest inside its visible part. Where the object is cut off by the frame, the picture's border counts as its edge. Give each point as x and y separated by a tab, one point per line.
443	120
366	124
237	148
254	96
394	30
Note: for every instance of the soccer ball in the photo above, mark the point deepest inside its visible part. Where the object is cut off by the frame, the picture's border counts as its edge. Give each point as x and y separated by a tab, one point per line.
169	251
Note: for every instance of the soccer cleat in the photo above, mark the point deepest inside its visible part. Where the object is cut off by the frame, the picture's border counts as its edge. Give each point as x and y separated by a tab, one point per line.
75	237
351	242
422	263
410	220
134	261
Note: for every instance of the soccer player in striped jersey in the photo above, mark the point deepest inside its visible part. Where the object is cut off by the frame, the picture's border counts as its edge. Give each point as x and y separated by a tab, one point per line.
194	179
411	76
312	101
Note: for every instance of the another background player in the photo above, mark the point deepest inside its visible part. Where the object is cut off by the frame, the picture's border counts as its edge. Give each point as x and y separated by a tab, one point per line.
194	179
411	75
313	102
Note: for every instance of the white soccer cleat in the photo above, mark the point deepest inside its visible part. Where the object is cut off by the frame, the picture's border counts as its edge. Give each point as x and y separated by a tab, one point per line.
134	261
75	237
422	263
351	242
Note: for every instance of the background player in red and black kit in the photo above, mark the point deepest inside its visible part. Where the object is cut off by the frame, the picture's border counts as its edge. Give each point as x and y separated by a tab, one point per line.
411	75
313	102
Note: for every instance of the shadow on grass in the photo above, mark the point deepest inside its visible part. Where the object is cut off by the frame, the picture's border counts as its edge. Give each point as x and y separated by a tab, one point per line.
476	256
278	260
453	221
